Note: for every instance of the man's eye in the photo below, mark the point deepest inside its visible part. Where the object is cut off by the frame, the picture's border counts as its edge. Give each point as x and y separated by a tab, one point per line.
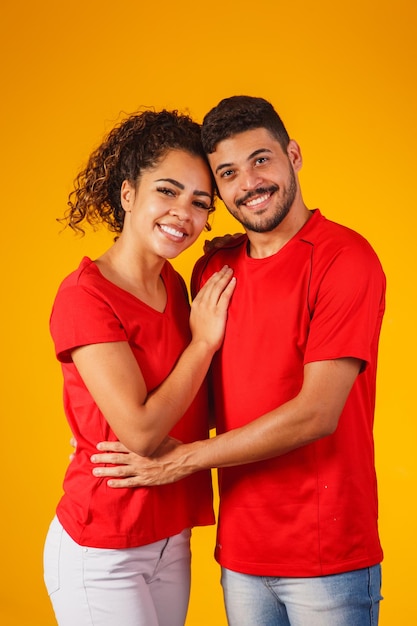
226	173
261	160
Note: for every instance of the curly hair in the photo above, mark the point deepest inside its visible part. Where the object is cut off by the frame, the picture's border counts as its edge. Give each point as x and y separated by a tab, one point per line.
136	144
236	115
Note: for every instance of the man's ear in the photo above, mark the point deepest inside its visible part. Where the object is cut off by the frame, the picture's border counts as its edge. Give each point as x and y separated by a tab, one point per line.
127	196
294	155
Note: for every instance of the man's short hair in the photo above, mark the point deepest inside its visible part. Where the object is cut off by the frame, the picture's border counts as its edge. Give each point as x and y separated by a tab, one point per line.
238	114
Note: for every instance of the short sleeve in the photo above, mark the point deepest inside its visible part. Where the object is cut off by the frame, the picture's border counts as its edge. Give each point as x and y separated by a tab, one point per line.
82	317
347	314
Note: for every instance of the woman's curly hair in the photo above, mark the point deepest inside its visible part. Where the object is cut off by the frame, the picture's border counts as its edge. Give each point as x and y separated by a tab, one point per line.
136	144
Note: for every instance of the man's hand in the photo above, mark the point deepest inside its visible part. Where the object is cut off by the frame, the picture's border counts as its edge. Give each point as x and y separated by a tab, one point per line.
219	242
131	470
73	443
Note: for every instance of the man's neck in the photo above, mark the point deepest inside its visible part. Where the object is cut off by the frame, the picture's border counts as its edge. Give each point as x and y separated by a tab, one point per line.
263	245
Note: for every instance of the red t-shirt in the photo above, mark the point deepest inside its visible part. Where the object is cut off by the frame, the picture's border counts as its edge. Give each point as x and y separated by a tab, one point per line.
90	309
312	511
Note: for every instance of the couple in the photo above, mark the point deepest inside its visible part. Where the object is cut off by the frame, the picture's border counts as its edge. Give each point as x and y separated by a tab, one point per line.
288	315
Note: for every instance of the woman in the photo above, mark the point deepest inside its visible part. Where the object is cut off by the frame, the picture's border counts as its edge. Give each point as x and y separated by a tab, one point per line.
133	369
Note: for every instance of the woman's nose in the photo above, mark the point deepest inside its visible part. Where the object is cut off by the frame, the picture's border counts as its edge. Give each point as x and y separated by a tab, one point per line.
181	210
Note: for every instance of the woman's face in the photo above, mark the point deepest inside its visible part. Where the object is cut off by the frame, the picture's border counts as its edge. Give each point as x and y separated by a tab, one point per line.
169	207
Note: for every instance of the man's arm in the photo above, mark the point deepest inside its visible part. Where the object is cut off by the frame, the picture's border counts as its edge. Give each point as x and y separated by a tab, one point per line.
312	414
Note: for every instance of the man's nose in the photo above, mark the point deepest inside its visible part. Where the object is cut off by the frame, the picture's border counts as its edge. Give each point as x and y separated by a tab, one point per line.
250	179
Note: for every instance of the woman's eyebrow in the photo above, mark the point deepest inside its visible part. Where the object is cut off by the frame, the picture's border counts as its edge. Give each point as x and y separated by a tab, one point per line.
172	181
176	183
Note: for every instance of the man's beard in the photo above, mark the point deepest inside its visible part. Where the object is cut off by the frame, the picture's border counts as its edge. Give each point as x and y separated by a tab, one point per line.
257	223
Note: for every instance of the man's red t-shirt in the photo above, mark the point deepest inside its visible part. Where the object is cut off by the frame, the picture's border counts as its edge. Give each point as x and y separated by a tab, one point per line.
313	511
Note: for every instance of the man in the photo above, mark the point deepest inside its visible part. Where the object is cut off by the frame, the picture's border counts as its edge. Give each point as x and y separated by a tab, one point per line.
293	392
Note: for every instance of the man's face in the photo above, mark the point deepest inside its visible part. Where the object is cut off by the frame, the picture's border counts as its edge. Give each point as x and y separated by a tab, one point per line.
256	178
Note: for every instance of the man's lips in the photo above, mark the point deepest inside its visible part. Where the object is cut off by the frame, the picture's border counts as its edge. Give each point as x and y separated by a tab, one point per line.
255	198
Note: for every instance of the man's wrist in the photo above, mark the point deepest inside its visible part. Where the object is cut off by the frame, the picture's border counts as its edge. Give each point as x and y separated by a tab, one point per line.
193	456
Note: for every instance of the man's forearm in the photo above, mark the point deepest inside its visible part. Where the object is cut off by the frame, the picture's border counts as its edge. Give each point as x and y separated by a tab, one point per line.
312	414
271	435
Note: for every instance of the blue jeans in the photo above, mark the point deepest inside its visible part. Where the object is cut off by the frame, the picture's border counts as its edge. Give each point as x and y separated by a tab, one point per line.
349	599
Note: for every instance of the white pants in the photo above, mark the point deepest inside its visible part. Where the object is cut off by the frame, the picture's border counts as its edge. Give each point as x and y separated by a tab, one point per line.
145	586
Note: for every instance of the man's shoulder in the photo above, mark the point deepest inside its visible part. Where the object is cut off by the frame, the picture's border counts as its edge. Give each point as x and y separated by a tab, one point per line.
219	248
217	253
327	234
336	245
224	242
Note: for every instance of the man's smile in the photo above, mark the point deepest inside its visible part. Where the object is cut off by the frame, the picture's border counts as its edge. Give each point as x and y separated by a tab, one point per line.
258	200
255	198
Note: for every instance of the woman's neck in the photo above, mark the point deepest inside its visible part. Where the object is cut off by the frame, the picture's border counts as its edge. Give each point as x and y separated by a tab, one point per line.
134	273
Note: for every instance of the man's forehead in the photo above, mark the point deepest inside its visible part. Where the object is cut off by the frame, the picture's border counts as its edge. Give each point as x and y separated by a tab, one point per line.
244	145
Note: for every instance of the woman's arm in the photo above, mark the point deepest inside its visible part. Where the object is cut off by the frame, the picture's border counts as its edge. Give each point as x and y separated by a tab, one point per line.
110	372
312	414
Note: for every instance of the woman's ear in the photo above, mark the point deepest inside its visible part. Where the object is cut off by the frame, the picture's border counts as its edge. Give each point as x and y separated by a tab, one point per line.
127	196
294	155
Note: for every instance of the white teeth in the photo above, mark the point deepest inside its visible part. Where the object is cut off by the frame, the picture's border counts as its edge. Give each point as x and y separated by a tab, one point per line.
257	200
171	231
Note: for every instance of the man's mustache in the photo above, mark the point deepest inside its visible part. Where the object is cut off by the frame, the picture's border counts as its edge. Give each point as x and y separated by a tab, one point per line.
256	192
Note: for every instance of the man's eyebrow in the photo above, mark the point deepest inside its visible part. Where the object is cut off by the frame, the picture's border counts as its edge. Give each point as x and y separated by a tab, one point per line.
222	166
251	156
176	183
259	151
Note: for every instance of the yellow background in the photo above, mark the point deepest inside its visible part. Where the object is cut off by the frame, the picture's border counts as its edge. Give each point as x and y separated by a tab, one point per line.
342	75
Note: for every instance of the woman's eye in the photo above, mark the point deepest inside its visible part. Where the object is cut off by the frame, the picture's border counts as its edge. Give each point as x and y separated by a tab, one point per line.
166	191
201	205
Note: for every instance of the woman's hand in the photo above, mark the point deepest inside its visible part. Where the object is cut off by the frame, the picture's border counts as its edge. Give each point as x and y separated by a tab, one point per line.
209	308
